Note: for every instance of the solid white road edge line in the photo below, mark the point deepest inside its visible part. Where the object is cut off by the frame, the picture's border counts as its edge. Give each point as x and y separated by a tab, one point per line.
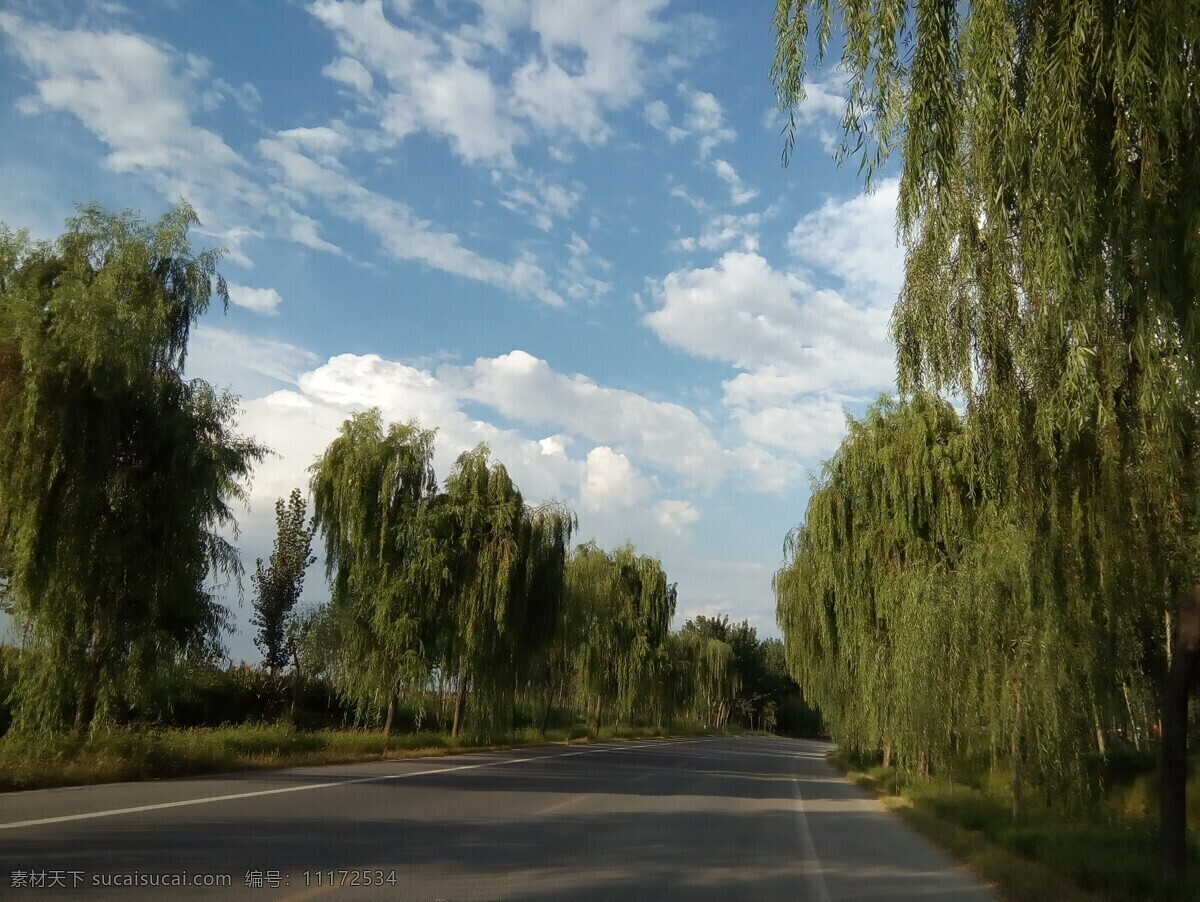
816	879
374	779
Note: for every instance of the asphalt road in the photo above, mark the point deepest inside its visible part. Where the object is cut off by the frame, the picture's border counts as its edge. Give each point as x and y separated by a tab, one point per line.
710	819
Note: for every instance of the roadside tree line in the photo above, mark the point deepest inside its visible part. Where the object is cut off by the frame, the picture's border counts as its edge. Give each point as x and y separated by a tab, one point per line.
1021	580
117	480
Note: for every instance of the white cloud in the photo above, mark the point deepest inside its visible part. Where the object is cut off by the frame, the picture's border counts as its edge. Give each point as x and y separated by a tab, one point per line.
351	72
581	283
232	358
400	232
260	300
738	192
589	62
744	312
323	143
676	516
799	349
542	200
611	482
657	114
704	119
810	428
615	499
667	436
855	241
123	87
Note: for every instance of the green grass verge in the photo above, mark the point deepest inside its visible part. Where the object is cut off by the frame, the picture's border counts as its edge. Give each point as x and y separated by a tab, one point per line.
118	755
1103	855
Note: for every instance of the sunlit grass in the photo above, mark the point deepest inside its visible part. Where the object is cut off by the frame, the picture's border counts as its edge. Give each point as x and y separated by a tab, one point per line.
125	754
1107	852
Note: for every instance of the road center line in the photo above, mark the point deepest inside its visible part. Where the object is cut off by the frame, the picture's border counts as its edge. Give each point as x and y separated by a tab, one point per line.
328	785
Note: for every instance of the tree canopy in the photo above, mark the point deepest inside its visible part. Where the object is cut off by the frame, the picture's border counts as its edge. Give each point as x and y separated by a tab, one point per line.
116	472
1049	197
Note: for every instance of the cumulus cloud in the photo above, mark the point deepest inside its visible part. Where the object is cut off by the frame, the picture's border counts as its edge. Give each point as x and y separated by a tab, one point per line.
801	352
589	62
606	482
706	119
855	241
668	436
260	300
611	482
676	516
744	312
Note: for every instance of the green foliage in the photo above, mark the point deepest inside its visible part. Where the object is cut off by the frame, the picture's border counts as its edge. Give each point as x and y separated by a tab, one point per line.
278	587
116	471
369	491
622	607
1048	198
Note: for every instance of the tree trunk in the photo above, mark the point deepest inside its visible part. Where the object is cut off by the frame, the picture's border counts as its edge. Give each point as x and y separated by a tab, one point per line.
441	697
549	707
1174	737
596	717
393	704
85	705
887	754
460	706
1014	753
1101	746
1134	725
295	683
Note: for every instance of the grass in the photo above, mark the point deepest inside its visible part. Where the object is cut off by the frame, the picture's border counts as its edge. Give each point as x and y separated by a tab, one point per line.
1108	853
124	754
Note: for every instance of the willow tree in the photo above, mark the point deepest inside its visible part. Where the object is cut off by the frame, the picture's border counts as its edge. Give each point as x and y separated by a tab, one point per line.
1049	197
864	599
624	605
370	490
502	586
543	617
115	472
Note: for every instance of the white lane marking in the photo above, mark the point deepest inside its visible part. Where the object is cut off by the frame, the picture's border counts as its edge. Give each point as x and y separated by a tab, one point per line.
304	788
816	879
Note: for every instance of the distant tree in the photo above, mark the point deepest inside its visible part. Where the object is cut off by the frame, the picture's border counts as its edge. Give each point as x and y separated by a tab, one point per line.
279	584
623	606
503	590
115	471
370	490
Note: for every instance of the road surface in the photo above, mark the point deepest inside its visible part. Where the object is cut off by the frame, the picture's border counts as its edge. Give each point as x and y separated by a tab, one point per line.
757	819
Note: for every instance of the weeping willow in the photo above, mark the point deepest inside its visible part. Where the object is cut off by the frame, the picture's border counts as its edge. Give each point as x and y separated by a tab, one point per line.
504	588
370	489
860	600
623	606
1050	205
116	473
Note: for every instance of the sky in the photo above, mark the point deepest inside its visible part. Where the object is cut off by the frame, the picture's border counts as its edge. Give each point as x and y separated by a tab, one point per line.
560	227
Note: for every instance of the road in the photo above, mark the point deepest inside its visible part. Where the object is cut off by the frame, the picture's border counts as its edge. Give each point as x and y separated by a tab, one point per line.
758	819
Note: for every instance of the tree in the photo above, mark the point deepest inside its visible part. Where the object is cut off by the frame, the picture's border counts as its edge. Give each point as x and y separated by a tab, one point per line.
1051	177
623	607
115	472
280	584
504	586
370	491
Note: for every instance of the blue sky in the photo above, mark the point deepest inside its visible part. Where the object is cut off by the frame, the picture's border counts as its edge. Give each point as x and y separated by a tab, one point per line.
557	226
